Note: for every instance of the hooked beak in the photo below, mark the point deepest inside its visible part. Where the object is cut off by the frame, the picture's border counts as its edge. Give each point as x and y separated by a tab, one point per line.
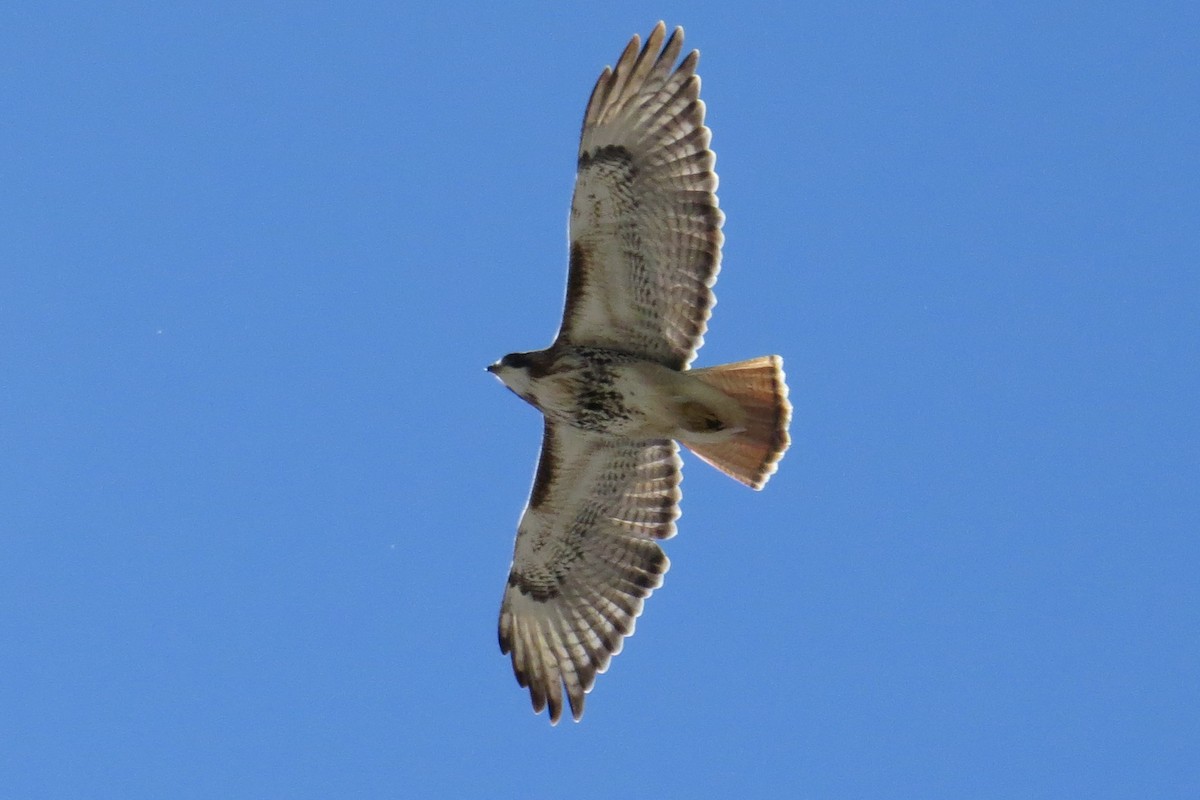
492	368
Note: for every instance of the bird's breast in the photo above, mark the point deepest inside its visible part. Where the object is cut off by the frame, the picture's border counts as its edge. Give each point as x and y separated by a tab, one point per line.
612	394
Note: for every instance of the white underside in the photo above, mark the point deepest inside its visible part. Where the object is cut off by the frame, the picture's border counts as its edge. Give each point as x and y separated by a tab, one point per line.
656	397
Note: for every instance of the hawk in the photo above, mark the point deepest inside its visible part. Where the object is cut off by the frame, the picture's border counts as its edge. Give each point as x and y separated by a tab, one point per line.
615	388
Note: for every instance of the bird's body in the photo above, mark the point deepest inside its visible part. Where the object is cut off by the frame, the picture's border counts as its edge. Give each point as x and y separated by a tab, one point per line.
618	394
615	386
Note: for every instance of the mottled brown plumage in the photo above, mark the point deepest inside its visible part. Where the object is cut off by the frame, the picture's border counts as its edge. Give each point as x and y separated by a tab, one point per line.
645	225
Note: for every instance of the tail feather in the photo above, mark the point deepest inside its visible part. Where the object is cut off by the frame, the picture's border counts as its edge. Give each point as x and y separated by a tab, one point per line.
759	387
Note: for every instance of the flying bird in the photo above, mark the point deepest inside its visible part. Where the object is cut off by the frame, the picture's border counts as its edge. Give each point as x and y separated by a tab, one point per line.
615	386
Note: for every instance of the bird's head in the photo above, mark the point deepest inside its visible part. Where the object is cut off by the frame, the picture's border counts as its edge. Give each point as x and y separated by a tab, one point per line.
515	372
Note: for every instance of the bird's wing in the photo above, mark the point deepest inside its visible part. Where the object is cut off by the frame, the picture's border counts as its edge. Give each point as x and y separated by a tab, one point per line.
645	229
586	557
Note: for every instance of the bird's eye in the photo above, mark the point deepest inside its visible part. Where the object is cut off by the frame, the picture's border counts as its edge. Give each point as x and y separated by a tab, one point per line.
515	360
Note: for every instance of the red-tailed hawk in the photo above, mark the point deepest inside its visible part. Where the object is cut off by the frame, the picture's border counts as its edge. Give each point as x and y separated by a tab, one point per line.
615	388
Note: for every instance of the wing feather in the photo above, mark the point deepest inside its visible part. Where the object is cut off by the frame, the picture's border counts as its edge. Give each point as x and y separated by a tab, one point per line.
645	223
585	560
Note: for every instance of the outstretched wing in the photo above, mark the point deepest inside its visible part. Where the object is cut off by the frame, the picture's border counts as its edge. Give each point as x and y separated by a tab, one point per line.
586	557
645	227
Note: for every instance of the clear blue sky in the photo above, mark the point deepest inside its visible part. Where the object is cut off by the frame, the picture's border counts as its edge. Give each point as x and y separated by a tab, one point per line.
258	495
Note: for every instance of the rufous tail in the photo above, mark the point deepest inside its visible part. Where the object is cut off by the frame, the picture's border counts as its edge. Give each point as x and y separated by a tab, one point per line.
759	387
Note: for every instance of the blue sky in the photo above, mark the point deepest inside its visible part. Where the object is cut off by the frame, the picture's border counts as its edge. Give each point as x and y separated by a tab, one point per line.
258	495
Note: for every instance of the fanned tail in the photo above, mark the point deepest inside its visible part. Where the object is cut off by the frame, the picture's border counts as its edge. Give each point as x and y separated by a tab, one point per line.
759	387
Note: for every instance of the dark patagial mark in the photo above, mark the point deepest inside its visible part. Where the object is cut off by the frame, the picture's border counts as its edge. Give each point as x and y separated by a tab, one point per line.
547	465
614	154
541	592
576	281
